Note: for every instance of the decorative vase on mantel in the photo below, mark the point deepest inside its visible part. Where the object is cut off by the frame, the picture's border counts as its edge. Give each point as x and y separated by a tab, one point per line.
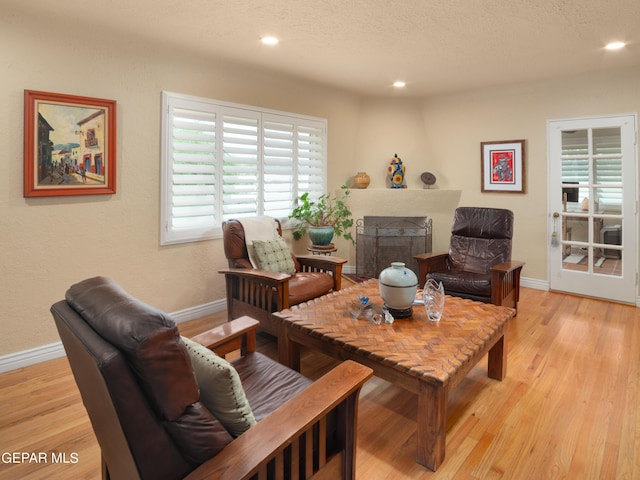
396	172
398	287
361	180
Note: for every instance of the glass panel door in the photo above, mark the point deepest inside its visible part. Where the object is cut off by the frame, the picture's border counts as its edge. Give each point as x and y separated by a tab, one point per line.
592	197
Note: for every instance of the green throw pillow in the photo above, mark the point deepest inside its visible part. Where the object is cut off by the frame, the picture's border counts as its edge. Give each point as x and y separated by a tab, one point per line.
274	256
220	389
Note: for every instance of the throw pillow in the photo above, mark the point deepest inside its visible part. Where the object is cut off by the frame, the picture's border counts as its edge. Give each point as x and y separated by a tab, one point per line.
220	389
274	256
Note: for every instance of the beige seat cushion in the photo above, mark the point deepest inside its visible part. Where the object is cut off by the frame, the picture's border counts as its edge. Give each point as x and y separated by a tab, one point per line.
305	286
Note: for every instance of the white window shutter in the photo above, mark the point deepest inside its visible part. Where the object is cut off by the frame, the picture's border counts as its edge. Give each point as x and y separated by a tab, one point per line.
311	159
241	168
278	166
189	173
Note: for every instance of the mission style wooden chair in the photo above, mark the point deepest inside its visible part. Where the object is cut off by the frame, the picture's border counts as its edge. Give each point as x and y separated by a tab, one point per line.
258	292
146	398
478	265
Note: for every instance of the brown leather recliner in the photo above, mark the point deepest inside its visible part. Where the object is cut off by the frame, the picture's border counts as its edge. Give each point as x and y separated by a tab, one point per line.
478	265
259	293
140	392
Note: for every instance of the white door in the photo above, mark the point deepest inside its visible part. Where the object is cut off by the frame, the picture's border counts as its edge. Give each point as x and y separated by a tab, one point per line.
592	206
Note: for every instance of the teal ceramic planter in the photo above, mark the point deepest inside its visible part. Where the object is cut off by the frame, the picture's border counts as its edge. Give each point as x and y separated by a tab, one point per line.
321	235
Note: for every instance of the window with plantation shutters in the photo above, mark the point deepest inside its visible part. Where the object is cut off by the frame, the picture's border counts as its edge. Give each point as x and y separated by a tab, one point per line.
222	160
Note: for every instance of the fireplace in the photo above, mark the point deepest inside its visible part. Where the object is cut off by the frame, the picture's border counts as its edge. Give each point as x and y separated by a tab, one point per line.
382	240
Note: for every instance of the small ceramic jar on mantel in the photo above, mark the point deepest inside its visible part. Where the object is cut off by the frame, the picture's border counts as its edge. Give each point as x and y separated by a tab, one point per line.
361	180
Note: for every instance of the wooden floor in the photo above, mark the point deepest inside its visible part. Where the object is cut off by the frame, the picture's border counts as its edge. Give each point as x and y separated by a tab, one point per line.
569	407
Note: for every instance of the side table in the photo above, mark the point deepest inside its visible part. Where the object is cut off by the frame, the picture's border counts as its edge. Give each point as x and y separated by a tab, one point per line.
322	249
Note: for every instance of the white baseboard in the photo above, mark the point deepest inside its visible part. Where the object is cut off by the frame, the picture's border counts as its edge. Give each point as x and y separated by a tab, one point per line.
534	283
199	311
32	356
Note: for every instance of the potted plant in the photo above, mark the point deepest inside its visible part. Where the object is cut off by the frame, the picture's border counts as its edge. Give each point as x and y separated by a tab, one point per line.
323	218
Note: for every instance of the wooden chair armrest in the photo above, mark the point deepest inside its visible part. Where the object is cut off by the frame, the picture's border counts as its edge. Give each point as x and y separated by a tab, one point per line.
430	257
505	284
256	293
250	451
259	275
429	262
230	336
507	267
321	261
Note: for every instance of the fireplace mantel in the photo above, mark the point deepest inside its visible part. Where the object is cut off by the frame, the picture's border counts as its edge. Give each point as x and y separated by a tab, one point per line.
437	204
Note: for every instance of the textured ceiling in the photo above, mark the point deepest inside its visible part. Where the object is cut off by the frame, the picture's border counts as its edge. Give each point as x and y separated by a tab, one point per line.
436	46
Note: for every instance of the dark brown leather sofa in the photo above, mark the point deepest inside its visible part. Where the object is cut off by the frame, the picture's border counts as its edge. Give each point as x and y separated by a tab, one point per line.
259	293
478	265
141	395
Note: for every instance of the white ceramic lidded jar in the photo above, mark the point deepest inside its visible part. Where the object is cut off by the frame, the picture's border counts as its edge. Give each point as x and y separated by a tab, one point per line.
398	287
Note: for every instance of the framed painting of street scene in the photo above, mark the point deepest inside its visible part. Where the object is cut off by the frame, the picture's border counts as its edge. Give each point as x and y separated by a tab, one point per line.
69	145
503	166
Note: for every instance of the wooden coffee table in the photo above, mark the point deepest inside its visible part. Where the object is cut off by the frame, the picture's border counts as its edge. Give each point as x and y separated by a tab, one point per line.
426	358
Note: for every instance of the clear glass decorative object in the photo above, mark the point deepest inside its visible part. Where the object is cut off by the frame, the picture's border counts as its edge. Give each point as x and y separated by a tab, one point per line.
433	300
361	308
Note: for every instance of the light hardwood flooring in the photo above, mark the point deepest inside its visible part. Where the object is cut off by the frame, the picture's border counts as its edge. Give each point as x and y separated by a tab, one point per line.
569	407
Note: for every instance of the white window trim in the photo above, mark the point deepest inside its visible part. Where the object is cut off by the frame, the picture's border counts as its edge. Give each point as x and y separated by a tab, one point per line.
169	234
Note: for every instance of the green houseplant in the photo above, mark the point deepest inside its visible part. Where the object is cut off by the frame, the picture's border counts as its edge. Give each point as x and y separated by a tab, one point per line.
330	215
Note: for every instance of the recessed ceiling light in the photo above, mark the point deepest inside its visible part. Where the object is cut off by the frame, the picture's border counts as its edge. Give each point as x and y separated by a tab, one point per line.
399	84
269	40
615	45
